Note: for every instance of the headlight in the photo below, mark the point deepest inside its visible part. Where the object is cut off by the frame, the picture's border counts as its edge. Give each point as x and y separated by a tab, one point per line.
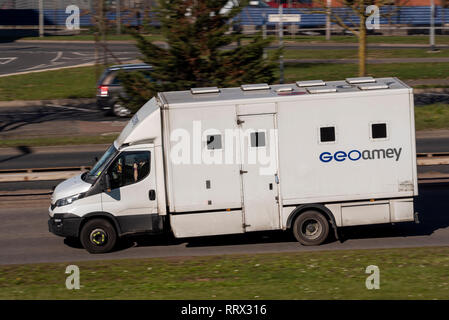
68	200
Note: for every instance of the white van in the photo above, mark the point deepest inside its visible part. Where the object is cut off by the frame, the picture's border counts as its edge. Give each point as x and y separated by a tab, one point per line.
309	157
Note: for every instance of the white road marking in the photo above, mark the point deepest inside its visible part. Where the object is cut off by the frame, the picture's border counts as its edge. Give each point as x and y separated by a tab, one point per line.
7	60
35	67
70	108
82	54
59	55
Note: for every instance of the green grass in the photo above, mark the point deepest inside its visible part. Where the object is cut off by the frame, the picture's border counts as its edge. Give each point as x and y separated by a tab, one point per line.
431	86
412	273
327	71
80	82
57	141
353	53
435	116
409	39
57	84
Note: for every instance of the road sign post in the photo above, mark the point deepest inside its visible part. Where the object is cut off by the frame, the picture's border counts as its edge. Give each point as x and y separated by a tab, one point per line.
432	25
41	18
280	19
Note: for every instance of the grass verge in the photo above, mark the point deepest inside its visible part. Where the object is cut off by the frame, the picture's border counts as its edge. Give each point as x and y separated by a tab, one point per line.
371	53
328	71
412	273
80	82
409	39
57	141
434	116
68	83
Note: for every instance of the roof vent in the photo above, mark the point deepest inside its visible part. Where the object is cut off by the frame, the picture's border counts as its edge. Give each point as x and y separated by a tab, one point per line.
204	90
284	89
258	86
310	83
360	80
321	90
373	86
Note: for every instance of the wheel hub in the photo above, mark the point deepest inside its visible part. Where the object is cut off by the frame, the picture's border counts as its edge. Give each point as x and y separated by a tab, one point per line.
311	229
98	237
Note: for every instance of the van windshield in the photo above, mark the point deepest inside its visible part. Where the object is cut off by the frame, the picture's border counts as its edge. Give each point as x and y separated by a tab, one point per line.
93	174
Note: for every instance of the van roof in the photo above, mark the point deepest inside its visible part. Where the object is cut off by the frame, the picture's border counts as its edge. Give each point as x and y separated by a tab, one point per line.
311	87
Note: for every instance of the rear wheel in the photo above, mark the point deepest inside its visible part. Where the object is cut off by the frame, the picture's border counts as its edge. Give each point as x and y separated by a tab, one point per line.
311	228
120	110
98	236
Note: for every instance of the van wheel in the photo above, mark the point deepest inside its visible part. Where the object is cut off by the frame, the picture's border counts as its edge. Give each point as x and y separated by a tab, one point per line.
98	236
311	228
120	110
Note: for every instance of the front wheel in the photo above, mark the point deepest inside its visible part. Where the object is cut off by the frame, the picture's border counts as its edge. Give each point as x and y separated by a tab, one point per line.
98	236
311	228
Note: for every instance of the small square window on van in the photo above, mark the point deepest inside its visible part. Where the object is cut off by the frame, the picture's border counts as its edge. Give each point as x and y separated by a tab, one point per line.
327	134
258	139
214	142
378	130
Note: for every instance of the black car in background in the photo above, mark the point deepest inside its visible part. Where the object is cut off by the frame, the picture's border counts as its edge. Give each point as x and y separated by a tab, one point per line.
109	88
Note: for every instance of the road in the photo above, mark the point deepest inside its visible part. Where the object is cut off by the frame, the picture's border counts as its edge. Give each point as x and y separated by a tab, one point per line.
26	56
19	57
24	237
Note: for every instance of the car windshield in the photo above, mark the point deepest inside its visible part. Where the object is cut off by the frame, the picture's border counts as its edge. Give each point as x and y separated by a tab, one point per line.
92	175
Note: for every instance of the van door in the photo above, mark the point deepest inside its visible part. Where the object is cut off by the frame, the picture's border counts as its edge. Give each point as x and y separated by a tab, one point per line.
259	172
132	199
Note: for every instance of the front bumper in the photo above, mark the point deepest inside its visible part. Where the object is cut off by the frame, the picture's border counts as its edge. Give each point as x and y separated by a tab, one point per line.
65	225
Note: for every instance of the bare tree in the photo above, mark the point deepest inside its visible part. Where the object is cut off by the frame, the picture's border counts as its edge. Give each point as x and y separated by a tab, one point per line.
362	10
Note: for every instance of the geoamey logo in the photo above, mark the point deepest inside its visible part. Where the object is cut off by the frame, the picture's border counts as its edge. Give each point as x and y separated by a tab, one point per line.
354	155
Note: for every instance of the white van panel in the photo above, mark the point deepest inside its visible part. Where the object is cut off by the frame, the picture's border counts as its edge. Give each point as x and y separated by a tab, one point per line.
353	215
206	180
402	210
204	224
304	176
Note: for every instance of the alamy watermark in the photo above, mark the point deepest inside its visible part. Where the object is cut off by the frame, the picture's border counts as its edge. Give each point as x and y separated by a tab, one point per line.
73	280
231	146
73	20
373	20
373	280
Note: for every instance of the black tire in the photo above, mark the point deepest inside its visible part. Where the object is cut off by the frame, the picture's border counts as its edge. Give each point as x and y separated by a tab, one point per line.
311	228
119	110
98	236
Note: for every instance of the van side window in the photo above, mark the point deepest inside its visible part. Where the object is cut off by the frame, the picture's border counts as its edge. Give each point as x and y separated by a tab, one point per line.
128	168
378	130
214	142
327	134
258	139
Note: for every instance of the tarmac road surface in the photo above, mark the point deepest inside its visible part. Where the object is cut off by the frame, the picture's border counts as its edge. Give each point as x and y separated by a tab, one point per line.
24	236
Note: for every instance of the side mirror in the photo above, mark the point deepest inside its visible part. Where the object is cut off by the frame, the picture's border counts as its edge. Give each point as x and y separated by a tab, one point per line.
107	183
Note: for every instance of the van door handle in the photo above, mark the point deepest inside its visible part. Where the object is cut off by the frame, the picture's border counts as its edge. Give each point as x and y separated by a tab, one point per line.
152	194
271	186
